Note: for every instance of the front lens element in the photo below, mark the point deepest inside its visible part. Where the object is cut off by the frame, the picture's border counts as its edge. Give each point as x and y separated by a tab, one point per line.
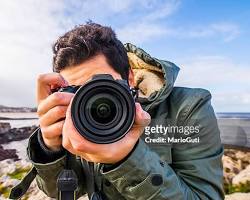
103	110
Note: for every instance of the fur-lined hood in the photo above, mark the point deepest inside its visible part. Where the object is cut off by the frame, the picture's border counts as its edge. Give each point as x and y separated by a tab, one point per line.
153	77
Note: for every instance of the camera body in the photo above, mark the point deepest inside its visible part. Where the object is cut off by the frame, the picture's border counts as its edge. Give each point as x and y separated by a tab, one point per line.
103	109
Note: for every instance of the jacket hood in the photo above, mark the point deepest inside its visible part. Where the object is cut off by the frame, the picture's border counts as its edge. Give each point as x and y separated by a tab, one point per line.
154	78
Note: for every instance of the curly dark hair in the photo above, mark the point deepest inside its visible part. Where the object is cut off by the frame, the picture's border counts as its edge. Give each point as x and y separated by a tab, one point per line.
86	41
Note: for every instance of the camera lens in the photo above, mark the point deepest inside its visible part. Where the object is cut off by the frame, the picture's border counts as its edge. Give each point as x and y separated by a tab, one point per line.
103	110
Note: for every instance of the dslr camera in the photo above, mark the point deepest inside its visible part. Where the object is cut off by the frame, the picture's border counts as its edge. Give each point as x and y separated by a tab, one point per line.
103	109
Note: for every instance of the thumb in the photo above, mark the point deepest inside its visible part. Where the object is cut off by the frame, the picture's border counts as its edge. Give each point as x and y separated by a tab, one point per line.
142	118
68	112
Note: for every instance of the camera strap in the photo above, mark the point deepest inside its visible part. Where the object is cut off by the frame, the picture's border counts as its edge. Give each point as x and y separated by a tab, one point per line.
67	181
92	191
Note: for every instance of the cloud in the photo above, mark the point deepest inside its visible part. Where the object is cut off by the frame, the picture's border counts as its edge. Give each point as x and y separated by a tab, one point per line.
228	81
228	31
27	32
161	11
148	26
139	33
151	24
143	31
77	12
28	29
210	70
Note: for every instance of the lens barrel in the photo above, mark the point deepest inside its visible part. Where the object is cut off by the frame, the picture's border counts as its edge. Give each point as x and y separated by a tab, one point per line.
103	109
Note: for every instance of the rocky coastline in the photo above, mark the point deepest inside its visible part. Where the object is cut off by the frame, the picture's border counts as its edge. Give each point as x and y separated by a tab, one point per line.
8	134
16	134
7	109
236	167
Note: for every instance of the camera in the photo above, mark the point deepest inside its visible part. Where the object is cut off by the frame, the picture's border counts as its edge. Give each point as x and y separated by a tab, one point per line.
103	109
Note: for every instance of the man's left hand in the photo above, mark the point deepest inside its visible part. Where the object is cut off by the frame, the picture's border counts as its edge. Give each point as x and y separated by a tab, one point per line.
103	153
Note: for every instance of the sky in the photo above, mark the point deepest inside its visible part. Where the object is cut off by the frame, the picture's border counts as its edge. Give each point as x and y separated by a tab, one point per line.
209	40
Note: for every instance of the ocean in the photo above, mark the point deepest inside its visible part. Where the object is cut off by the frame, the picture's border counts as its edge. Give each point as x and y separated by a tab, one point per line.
234	115
18	120
234	129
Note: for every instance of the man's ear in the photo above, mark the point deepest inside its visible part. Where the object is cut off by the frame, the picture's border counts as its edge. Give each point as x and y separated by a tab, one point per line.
131	78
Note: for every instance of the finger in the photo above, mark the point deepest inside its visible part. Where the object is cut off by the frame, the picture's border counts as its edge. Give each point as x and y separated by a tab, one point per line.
78	142
68	112
68	147
53	144
66	143
55	99
52	116
142	118
53	131
133	135
45	82
93	148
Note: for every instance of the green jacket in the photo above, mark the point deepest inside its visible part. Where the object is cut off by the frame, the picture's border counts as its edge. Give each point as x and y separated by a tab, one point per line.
164	171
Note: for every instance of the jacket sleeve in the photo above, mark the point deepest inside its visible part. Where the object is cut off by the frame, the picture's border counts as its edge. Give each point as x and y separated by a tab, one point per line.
196	169
48	171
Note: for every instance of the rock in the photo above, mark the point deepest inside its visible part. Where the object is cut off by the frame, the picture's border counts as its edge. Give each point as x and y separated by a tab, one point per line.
5	109
234	161
12	134
34	193
9	171
244	157
238	196
7	154
16	134
243	177
236	165
10	182
4	127
230	168
9	166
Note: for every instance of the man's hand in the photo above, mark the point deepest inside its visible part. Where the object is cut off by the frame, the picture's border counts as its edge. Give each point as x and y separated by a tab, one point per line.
52	108
103	153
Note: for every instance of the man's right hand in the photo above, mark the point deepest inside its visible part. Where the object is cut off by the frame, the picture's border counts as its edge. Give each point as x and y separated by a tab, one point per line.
51	108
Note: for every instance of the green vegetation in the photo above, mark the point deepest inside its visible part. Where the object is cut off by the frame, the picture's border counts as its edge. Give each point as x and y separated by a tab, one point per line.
244	188
4	191
19	173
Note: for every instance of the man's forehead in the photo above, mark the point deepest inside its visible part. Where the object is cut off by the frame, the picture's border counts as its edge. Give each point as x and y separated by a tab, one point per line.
78	75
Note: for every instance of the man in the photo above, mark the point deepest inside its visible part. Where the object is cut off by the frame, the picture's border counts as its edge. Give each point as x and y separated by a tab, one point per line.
130	168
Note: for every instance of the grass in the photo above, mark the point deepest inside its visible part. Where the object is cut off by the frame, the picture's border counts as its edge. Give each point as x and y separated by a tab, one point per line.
244	188
18	174
4	191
